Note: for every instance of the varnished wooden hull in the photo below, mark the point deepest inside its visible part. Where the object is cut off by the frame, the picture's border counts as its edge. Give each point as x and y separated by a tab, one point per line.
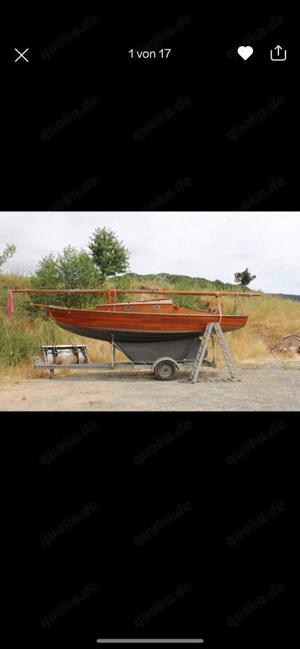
140	326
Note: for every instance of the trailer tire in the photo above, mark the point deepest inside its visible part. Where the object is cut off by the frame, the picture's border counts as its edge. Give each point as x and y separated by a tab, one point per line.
165	370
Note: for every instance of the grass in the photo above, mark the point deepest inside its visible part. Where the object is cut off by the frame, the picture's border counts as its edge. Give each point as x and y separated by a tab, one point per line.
270	318
21	337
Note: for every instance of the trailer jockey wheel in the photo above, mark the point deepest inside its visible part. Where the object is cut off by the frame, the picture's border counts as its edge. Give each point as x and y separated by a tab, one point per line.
165	370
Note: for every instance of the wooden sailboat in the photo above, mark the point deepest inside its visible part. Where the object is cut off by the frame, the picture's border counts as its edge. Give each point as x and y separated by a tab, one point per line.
141	322
144	330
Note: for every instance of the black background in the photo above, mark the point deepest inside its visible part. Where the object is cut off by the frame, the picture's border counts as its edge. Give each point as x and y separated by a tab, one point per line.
191	162
227	471
192	146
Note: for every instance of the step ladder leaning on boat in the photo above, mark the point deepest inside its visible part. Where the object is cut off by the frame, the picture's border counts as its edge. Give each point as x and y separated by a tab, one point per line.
211	329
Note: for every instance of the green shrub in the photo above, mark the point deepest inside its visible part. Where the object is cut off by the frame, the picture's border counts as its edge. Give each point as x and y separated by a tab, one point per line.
69	270
21	338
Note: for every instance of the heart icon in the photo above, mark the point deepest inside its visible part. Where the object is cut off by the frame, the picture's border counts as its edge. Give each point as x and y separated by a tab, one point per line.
245	52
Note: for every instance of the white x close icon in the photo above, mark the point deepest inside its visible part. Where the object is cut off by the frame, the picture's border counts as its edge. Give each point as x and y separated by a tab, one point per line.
21	55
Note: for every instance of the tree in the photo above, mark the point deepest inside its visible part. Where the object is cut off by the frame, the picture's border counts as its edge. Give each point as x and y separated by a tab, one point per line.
70	269
244	277
108	253
7	253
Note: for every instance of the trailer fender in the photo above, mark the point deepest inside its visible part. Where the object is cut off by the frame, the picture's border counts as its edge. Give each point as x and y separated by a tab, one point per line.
165	358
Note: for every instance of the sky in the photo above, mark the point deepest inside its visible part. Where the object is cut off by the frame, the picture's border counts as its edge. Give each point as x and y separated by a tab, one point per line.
213	245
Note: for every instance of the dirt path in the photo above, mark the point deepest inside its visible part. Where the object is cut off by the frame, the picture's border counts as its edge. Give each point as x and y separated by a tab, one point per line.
263	387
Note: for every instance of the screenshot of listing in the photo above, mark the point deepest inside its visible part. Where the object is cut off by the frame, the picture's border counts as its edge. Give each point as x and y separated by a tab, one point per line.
149	323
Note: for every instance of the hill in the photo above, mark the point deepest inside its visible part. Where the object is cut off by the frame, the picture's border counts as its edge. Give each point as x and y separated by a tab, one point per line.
295	298
180	282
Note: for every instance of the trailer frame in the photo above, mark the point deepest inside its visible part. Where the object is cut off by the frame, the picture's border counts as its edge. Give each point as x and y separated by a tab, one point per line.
164	368
156	366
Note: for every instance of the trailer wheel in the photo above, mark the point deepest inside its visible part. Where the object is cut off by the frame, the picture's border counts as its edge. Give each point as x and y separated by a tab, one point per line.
165	370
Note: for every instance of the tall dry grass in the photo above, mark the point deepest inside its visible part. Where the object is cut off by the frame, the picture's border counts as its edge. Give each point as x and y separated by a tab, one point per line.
270	318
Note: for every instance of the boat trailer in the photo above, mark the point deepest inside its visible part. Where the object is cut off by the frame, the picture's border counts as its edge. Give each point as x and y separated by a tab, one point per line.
164	368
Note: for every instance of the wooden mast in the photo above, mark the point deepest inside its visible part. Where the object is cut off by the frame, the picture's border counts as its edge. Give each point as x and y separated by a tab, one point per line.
112	292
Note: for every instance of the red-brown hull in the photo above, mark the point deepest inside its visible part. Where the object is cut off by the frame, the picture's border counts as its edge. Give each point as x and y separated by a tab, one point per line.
103	324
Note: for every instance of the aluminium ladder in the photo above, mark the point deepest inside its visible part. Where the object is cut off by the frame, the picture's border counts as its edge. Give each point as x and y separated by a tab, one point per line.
210	329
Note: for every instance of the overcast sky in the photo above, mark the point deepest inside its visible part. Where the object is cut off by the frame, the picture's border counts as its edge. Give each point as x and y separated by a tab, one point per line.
210	245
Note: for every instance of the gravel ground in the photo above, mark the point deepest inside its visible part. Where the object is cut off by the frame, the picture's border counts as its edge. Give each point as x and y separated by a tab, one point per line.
262	387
